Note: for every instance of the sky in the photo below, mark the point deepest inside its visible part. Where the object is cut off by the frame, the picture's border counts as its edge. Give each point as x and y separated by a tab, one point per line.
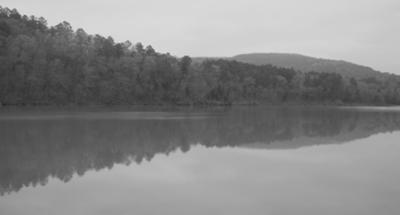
365	32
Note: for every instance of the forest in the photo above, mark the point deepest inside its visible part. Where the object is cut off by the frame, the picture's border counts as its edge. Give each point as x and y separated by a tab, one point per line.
57	65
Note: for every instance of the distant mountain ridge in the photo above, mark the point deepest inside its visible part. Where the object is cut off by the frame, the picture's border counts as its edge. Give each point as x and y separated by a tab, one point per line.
305	64
45	65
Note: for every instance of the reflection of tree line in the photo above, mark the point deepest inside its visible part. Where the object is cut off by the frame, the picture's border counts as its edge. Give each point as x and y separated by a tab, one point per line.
33	150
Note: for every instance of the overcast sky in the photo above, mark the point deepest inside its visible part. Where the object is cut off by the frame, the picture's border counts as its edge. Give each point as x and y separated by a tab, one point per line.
361	31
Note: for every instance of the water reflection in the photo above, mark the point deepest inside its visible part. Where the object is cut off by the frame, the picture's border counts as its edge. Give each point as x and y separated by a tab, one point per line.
37	146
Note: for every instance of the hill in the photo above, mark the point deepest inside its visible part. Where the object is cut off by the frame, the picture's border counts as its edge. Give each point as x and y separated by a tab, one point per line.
307	64
57	65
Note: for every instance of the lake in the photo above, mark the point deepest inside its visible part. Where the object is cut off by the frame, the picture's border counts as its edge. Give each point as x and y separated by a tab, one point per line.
233	161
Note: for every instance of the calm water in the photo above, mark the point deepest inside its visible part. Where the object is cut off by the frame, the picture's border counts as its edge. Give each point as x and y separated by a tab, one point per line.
240	161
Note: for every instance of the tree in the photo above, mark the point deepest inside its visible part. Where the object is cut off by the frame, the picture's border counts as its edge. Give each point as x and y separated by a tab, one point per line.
57	65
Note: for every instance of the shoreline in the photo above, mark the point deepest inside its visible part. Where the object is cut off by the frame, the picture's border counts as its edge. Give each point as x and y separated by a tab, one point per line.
166	106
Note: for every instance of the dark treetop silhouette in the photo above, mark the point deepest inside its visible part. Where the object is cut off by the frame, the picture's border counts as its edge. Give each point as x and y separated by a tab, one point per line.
55	65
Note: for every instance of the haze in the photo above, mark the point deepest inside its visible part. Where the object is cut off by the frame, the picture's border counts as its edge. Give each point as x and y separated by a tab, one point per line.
366	32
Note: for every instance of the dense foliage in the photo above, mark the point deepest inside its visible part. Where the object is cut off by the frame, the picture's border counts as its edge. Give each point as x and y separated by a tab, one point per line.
57	66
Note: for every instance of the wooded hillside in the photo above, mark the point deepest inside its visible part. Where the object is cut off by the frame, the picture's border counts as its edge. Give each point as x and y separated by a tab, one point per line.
57	65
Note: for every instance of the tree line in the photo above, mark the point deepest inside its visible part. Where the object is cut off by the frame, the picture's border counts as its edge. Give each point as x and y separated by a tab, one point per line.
56	65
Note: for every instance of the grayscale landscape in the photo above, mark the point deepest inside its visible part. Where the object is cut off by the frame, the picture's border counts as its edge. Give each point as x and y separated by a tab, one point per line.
214	107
